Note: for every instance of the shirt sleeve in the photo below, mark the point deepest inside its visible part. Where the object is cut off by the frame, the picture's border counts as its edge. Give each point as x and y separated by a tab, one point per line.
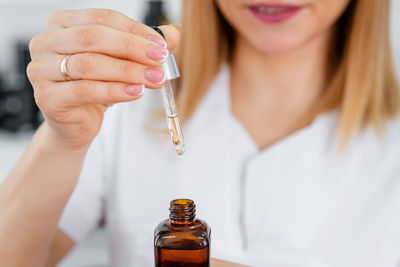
85	209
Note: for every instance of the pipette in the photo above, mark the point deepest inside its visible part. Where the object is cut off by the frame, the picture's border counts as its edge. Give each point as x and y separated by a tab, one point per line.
172	72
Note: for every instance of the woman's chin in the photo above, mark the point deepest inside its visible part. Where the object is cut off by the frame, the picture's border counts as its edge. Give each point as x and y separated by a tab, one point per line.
273	44
271	48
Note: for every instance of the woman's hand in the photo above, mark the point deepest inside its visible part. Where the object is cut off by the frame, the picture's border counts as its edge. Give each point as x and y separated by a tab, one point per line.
111	59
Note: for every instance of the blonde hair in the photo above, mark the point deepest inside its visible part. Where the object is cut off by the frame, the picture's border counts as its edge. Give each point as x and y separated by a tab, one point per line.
362	80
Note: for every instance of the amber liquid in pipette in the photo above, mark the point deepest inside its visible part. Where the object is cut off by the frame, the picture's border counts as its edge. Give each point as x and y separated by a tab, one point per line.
176	134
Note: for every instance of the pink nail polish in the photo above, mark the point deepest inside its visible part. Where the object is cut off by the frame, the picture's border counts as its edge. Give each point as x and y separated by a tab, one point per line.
135	89
155	75
157	53
157	40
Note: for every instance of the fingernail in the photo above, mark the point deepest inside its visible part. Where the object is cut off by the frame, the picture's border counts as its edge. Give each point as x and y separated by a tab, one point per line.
176	27
135	89
157	53
155	75
161	42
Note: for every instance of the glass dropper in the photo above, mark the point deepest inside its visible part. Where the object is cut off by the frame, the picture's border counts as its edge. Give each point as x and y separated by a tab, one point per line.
172	72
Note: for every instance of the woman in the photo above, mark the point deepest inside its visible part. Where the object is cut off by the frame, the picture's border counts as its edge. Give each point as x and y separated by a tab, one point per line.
290	124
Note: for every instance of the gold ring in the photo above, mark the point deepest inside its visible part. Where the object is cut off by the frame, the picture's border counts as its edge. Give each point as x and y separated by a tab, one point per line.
64	68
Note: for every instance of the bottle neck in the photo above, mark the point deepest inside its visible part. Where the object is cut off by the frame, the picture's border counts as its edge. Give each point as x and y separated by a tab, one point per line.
182	211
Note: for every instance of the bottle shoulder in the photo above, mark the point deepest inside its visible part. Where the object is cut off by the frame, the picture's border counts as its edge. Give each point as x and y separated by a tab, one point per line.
193	235
195	225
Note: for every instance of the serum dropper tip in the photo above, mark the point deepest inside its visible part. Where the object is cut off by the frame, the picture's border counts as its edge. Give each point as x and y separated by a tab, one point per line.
180	149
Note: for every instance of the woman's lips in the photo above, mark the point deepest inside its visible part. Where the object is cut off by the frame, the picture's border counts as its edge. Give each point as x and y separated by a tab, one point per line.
273	13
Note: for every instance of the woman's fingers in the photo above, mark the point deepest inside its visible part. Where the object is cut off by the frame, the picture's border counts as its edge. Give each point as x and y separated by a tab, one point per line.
115	20
109	58
105	40
106	17
91	66
172	35
59	96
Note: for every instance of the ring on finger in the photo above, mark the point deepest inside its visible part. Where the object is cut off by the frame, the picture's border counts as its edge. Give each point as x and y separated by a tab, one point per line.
64	68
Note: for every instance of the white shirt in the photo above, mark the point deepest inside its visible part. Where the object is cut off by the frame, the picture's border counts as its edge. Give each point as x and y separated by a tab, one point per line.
299	202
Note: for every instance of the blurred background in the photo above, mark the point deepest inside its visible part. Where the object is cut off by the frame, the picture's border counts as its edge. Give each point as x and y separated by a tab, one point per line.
20	20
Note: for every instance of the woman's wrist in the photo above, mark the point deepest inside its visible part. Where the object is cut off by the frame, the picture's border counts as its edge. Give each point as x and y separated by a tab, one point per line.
52	141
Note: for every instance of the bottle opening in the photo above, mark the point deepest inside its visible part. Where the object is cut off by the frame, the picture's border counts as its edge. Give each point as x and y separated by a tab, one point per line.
182	201
182	210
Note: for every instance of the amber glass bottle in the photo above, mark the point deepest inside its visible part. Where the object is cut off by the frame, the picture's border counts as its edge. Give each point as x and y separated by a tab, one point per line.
182	240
